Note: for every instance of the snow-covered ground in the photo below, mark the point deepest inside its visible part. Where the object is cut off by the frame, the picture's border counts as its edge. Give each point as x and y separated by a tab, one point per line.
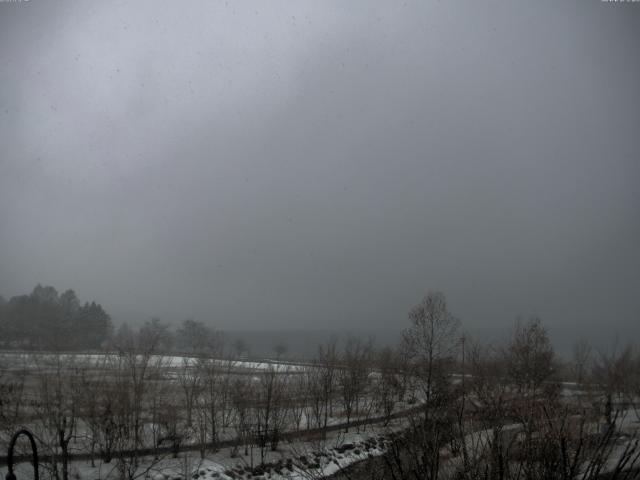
295	460
26	360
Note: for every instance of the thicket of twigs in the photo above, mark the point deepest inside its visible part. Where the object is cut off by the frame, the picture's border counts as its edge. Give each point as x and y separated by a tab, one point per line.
471	410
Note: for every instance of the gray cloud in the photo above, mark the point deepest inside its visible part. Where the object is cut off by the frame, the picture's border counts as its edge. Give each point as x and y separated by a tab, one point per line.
324	163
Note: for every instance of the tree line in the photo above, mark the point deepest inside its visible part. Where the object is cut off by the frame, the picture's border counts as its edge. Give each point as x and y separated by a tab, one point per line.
46	320
513	410
52	321
471	410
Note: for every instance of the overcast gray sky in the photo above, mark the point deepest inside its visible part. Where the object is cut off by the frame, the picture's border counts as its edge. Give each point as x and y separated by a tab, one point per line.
312	164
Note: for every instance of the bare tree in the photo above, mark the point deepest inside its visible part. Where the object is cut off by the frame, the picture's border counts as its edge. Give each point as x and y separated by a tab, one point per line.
315	406
299	398
388	387
353	376
431	342
58	406
135	367
613	372
326	363
190	379
241	396
12	400
580	360
429	346
530	357
271	409
216	373
94	399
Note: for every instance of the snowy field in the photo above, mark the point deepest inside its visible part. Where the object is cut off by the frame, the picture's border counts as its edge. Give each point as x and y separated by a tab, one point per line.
293	460
29	360
239	456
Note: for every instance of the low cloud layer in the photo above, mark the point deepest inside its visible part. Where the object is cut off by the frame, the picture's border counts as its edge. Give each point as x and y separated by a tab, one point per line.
323	164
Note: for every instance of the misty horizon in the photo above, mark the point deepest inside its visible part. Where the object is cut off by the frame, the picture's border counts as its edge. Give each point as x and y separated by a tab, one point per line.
320	167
